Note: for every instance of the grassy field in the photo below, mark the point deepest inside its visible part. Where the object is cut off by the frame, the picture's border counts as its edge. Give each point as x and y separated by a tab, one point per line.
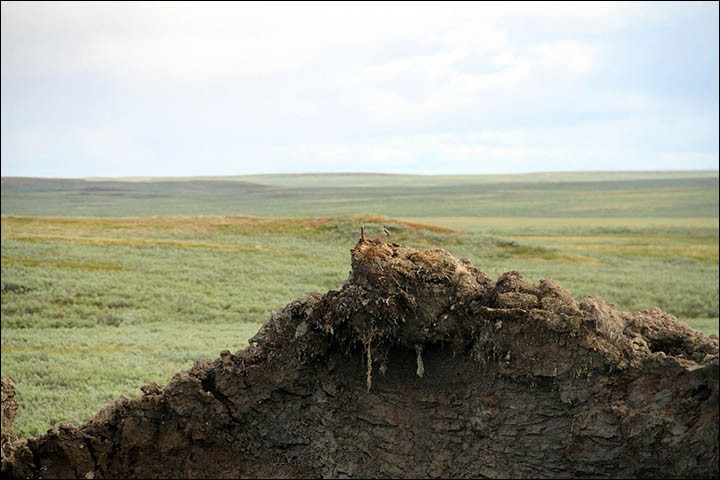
94	307
657	195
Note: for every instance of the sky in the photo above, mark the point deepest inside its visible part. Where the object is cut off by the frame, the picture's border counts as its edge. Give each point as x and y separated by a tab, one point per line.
189	89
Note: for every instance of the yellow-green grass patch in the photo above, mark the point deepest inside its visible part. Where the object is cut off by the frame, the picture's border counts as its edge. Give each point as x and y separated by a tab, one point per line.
142	242
708	326
701	248
57	263
71	374
703	253
463	223
59	227
531	252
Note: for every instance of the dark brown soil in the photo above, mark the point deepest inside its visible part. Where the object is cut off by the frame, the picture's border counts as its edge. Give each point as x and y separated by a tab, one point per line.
9	412
419	366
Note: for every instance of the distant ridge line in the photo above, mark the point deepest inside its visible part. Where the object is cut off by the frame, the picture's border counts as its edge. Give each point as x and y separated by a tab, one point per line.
239	177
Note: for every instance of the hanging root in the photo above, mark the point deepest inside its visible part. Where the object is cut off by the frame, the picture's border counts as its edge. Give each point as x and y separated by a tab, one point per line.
421	368
369	368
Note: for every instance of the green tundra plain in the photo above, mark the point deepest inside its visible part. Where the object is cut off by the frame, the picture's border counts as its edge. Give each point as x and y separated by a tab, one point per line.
108	284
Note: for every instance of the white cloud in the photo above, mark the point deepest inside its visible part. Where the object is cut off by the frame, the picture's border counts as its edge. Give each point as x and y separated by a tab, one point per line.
327	86
196	40
431	65
526	74
598	145
109	150
565	57
189	41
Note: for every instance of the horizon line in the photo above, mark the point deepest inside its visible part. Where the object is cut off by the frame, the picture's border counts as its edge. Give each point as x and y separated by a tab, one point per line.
94	177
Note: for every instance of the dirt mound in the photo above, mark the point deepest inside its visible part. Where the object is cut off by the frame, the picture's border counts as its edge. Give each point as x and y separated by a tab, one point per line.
9	412
418	366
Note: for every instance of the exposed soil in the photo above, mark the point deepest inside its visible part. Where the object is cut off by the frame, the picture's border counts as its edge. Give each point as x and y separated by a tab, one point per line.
9	412
419	366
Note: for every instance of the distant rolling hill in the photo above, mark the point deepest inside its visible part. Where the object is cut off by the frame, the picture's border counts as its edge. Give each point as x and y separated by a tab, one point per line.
551	195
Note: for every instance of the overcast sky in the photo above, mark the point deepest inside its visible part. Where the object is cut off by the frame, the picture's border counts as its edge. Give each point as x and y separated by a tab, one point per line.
125	89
